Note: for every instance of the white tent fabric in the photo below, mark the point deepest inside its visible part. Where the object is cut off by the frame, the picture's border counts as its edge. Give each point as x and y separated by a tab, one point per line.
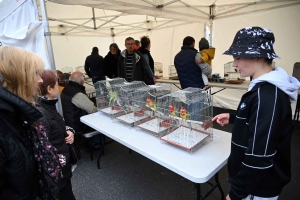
116	17
31	39
27	33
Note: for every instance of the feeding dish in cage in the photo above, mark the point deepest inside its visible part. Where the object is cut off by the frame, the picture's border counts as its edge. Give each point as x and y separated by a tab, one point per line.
139	113
206	124
186	138
165	123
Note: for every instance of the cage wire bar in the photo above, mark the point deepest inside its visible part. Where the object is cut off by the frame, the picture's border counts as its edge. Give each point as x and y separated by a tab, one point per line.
189	112
126	100
106	95
146	106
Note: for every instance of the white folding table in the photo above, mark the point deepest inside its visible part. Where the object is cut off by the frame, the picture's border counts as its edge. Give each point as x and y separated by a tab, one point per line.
197	167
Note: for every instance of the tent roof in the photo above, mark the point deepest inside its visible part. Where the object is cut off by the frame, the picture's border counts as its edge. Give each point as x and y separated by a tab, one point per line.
118	17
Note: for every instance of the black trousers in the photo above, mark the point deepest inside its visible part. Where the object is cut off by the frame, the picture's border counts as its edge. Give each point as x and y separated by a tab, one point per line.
67	193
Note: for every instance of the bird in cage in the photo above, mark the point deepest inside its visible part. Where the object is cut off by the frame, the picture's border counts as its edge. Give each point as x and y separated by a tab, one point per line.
149	102
154	105
172	109
112	96
184	114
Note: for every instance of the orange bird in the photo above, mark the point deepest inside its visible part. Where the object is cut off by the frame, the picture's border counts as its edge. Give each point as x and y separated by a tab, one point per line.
183	112
172	109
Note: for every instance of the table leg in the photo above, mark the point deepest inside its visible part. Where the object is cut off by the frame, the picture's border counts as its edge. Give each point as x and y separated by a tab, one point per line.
102	152
198	188
218	91
99	157
219	185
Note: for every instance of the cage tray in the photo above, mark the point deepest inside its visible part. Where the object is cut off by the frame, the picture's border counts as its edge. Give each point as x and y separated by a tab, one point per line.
152	126
184	138
130	118
110	111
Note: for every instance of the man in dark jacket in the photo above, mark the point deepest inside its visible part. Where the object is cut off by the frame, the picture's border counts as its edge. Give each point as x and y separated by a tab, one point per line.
132	65
94	66
189	73
75	102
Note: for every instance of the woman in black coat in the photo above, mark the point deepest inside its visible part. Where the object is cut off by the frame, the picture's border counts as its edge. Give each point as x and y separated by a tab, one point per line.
111	61
58	133
145	51
19	78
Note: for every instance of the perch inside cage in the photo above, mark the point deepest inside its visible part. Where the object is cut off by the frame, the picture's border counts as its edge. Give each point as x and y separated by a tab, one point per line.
147	104
190	114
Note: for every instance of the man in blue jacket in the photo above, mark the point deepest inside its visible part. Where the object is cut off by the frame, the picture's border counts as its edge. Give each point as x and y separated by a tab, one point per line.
189	73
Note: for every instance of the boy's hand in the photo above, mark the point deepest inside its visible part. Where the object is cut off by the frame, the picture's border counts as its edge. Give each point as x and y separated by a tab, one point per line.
198	61
222	119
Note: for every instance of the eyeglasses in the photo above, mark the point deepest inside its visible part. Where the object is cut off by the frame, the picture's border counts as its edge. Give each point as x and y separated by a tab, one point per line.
130	44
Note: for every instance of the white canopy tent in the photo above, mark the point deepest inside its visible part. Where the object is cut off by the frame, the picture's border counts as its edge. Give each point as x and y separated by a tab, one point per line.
76	26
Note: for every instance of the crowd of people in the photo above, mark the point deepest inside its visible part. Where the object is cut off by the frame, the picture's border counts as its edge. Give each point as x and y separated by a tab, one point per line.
35	138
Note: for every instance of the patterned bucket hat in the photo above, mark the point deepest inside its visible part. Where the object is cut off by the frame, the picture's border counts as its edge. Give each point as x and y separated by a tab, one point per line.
253	42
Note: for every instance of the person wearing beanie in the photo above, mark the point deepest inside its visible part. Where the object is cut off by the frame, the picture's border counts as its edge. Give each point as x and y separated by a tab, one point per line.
207	53
259	164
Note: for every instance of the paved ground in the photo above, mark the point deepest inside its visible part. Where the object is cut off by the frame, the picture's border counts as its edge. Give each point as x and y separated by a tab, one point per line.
132	176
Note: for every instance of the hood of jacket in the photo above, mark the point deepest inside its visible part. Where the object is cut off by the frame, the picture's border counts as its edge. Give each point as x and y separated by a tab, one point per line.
112	55
210	52
278	77
137	56
12	104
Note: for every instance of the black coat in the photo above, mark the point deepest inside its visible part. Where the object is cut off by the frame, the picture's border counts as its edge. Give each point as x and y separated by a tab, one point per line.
151	61
18	168
139	67
111	64
56	132
260	158
94	65
72	113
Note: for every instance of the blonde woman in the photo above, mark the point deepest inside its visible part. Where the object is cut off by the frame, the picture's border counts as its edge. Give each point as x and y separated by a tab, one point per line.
19	77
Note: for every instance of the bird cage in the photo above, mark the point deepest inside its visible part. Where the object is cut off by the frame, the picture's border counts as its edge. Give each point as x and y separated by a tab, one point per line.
231	74
146	105
190	113
173	72
106	95
127	95
158	69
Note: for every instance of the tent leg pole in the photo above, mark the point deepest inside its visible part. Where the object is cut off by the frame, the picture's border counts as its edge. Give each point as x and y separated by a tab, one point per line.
49	46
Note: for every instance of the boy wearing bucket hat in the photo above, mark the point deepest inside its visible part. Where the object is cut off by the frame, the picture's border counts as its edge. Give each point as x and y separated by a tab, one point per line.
259	164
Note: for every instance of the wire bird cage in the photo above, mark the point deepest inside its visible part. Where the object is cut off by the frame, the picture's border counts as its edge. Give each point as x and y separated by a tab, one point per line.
190	113
231	74
126	98
146	106
106	95
173	72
